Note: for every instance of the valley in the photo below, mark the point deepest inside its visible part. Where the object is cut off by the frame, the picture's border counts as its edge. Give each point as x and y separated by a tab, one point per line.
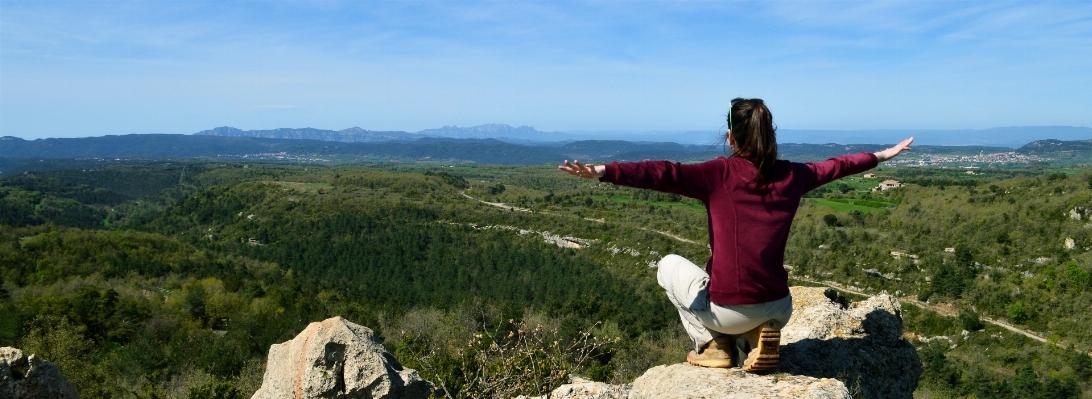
207	263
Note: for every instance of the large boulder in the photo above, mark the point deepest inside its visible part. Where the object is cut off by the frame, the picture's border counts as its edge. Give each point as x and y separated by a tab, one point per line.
827	341
859	342
336	358
27	377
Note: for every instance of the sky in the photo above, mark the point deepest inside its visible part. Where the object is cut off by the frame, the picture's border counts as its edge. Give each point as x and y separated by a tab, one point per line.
87	68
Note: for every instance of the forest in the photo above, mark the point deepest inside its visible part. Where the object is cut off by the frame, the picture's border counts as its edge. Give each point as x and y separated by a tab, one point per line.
157	279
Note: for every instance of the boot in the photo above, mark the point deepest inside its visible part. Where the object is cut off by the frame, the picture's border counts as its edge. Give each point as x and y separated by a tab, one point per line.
713	354
765	348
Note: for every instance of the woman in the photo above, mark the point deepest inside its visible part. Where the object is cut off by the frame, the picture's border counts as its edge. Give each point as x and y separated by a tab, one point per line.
735	308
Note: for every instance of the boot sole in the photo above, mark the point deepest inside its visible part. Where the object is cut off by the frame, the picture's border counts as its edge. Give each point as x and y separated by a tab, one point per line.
764	359
710	363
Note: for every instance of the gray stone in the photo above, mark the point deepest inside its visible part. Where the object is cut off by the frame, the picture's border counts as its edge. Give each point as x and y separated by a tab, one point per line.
683	381
580	388
859	342
27	377
827	341
336	358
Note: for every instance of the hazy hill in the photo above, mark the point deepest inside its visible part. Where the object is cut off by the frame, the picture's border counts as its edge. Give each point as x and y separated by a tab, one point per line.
1008	137
352	135
1011	137
1047	147
492	130
454	150
504	132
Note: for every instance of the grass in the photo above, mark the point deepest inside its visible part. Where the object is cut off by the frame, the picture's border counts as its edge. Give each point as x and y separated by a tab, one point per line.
861	184
843	207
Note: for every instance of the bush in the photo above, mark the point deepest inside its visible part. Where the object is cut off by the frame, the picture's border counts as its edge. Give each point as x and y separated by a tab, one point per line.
971	321
831	220
216	389
512	359
1018	313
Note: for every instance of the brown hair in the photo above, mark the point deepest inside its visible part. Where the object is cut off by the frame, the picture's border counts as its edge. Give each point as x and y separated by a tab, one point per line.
750	123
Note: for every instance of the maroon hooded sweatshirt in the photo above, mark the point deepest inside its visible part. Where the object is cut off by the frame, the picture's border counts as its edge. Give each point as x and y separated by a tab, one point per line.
748	228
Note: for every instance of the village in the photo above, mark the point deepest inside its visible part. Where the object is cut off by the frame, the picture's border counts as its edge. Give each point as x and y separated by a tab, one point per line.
993	158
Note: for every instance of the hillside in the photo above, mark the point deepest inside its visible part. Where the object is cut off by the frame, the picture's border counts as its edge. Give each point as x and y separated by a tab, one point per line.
206	264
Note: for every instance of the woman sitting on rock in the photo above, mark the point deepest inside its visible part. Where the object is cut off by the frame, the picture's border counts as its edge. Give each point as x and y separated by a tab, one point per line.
734	309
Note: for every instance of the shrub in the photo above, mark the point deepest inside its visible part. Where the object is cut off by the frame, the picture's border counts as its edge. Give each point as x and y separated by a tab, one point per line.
970	321
216	389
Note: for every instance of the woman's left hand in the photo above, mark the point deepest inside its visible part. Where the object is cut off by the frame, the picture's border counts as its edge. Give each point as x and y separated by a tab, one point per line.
576	168
894	151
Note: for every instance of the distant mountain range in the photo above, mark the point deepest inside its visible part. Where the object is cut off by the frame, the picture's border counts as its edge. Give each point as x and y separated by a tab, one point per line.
1012	137
444	150
350	135
522	134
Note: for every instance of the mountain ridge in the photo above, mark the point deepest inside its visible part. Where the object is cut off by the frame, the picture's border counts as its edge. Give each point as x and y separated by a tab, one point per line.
481	150
1011	137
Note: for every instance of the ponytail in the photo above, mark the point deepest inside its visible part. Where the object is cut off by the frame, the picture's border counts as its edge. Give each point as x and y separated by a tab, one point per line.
751	125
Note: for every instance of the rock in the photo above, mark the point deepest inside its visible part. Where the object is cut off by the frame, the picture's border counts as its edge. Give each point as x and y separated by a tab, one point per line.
580	388
338	359
683	381
827	341
859	343
679	381
27	377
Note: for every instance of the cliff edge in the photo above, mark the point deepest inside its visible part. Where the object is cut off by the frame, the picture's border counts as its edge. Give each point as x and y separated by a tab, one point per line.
831	348
828	340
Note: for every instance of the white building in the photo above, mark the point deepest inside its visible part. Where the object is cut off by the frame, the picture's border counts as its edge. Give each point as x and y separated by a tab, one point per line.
889	184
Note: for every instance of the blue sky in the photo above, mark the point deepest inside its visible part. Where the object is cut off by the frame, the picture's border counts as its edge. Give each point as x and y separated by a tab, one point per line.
73	69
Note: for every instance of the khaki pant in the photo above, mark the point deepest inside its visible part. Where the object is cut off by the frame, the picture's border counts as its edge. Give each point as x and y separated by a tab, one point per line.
687	287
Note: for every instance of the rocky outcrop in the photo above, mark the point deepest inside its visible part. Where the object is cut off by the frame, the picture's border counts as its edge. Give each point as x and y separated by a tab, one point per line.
828	340
679	381
858	342
336	358
828	344
26	377
683	381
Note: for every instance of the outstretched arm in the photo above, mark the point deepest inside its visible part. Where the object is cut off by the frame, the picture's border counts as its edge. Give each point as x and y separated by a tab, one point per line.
893	151
689	180
815	174
576	168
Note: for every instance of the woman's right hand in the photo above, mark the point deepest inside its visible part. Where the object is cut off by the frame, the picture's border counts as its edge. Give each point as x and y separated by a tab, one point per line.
576	168
893	151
